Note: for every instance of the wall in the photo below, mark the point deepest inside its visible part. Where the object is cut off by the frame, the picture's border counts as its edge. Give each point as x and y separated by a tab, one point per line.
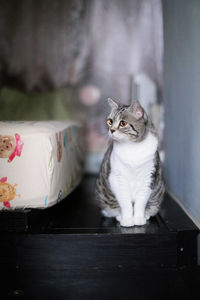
182	101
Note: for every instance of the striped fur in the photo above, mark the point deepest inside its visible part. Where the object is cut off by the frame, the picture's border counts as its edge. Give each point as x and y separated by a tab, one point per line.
105	197
136	132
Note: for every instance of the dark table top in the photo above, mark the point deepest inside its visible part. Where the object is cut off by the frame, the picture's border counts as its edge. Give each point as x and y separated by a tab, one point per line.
79	213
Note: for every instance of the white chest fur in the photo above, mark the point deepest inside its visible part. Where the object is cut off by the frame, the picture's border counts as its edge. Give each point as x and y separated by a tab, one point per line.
133	155
131	167
134	162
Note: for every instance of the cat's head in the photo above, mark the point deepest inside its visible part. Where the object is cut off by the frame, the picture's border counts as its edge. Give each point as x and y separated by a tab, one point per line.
127	122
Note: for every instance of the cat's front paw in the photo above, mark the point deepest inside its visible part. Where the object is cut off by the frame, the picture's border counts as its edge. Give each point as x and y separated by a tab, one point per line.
139	220
147	216
125	222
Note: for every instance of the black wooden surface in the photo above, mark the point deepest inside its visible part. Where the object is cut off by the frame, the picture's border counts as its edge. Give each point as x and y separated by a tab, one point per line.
142	285
79	213
70	251
99	252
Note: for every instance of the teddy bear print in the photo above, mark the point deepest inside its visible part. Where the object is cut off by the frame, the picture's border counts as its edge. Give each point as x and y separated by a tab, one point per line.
10	146
7	192
59	146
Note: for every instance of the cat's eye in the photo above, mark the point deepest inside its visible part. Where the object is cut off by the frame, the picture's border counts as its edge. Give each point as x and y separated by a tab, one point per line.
123	123
109	122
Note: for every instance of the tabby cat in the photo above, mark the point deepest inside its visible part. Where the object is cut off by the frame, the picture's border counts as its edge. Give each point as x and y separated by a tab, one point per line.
130	185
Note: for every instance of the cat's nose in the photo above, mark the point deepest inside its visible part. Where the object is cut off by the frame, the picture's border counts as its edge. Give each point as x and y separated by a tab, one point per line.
112	130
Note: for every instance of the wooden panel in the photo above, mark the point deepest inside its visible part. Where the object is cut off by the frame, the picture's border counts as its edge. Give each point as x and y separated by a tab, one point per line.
174	217
165	284
13	221
101	252
7	249
187	248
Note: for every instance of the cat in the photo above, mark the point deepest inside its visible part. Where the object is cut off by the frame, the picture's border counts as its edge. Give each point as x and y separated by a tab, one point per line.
130	185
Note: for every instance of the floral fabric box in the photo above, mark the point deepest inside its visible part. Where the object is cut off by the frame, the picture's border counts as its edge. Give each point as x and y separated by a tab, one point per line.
40	162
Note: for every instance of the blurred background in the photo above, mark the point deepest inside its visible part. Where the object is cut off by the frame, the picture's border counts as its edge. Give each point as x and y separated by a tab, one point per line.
62	59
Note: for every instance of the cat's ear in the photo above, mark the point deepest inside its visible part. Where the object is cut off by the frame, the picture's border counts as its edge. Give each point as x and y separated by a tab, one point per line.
137	110
112	103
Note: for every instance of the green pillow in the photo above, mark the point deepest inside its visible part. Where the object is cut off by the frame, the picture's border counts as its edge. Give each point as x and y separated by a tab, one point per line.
53	105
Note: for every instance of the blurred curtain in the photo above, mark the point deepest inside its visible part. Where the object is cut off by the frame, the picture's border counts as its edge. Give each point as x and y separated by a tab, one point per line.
47	44
91	48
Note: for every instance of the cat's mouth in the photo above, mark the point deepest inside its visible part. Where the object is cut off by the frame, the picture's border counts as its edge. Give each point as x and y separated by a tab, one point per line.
116	136
112	135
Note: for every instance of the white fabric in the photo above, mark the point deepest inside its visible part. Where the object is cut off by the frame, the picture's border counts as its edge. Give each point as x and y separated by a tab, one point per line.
42	165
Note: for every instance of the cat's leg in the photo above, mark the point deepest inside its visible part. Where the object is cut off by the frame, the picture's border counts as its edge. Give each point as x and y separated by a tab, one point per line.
155	201
139	207
120	189
110	213
151	211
